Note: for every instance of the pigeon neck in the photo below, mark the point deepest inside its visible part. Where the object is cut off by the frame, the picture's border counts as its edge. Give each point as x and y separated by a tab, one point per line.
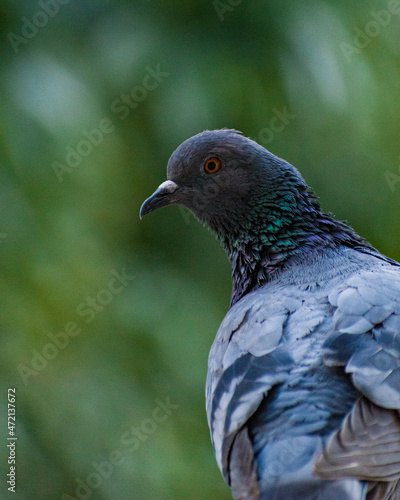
261	251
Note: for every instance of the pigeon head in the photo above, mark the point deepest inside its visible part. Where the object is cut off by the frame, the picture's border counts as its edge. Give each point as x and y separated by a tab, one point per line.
257	204
229	182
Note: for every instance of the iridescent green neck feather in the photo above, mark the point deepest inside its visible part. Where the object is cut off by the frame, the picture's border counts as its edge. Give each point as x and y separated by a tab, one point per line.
273	231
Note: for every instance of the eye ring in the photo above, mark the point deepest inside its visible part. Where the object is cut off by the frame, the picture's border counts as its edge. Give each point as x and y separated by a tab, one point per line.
212	165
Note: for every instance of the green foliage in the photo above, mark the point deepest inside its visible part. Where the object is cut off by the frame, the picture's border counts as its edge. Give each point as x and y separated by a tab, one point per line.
95	96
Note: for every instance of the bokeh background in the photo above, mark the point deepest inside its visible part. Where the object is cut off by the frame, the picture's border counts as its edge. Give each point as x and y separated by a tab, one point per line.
317	83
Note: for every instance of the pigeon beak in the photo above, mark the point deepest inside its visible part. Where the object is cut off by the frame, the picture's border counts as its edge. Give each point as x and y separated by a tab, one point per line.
161	197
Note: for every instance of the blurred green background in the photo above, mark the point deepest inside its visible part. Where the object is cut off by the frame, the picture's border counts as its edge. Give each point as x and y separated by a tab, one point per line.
94	98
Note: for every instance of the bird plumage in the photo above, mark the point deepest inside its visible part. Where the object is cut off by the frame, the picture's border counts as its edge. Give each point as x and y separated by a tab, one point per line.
303	385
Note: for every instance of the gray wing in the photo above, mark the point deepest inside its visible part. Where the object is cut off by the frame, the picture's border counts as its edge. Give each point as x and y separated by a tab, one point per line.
366	342
247	359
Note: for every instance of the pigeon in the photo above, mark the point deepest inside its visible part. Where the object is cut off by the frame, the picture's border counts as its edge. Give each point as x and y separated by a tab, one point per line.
303	383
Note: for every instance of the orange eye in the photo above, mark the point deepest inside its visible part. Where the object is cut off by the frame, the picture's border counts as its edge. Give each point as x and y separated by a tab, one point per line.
212	165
